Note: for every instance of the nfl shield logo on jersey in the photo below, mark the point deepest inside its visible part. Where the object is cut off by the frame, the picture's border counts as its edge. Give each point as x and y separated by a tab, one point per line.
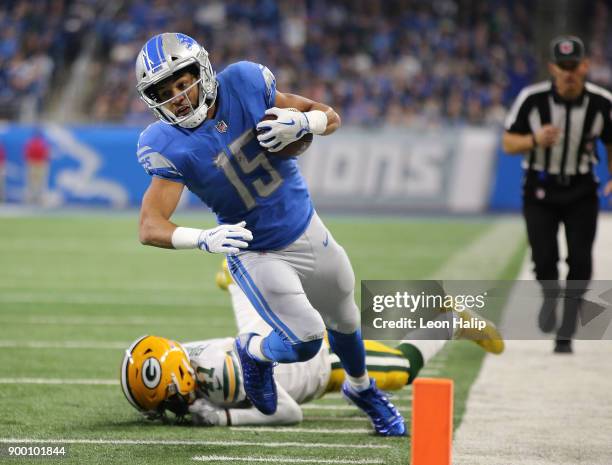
221	126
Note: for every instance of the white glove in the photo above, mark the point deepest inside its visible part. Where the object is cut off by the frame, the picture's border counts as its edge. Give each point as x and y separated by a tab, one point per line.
226	238
288	127
203	413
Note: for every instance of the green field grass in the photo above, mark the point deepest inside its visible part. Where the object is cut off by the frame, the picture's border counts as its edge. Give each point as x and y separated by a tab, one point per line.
75	290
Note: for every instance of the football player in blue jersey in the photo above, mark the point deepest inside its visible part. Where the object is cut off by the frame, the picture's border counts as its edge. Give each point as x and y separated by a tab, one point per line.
211	139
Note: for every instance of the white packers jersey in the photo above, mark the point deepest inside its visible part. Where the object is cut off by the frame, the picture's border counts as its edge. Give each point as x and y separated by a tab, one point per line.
217	371
220	381
305	381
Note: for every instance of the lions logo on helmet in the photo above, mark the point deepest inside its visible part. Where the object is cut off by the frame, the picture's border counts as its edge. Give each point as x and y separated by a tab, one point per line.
160	58
156	375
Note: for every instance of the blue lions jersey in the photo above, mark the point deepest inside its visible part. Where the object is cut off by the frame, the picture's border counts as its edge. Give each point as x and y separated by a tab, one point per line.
222	162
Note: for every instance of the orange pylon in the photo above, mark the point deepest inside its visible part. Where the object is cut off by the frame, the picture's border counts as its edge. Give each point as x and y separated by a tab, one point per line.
432	421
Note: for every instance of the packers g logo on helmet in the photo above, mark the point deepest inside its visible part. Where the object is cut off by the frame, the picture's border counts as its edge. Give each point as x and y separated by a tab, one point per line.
151	373
156	375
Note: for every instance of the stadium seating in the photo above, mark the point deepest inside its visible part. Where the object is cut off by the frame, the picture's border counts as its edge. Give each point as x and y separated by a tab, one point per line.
379	62
394	62
39	41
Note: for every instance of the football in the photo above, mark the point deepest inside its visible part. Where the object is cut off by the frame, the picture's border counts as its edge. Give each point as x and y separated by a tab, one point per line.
294	148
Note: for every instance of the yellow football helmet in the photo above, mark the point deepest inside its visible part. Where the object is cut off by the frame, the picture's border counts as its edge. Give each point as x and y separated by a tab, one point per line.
156	375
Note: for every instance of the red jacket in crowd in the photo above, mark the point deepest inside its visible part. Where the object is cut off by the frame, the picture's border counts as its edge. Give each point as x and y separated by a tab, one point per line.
36	150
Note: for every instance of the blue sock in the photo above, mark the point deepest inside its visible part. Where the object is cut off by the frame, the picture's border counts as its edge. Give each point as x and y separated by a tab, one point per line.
350	350
276	348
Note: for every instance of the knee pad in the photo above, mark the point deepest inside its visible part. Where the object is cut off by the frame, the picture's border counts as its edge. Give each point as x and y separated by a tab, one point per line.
306	350
277	348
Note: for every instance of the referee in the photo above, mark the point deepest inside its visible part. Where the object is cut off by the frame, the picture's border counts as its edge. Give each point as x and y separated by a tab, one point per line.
556	124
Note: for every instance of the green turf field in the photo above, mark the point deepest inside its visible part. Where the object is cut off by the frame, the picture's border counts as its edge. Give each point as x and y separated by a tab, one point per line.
76	290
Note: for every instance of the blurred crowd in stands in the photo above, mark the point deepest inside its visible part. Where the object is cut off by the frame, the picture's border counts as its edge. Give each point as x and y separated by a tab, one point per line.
394	62
38	39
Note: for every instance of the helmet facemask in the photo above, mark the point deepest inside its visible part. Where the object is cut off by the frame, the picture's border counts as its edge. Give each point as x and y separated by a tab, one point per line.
176	402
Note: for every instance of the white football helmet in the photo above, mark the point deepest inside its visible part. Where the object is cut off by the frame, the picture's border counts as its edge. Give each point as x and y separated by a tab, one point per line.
160	58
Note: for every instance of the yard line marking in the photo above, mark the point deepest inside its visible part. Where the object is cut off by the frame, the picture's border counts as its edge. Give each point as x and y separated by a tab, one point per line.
15	281
113	382
395	395
13	297
280	459
68	381
329	407
289	429
110	321
360	419
62	345
139	442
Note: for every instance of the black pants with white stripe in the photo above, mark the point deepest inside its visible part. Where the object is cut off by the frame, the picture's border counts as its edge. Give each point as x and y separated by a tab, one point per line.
546	204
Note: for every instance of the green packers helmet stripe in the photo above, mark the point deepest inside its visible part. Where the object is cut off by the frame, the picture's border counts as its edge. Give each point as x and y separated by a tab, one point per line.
225	382
383	368
237	377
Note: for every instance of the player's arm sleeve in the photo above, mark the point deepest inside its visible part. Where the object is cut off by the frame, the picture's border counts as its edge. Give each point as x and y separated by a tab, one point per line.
288	412
517	119
154	162
258	78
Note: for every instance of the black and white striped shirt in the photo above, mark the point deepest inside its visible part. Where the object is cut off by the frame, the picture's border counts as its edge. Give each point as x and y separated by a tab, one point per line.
581	122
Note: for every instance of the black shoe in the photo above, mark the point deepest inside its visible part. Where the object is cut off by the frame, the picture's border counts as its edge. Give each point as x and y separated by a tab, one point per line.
563	346
547	319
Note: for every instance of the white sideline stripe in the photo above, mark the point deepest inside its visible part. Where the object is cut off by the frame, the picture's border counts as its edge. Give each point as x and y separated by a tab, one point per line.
140	442
62	345
559	410
487	255
224	458
109	382
483	258
288	429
